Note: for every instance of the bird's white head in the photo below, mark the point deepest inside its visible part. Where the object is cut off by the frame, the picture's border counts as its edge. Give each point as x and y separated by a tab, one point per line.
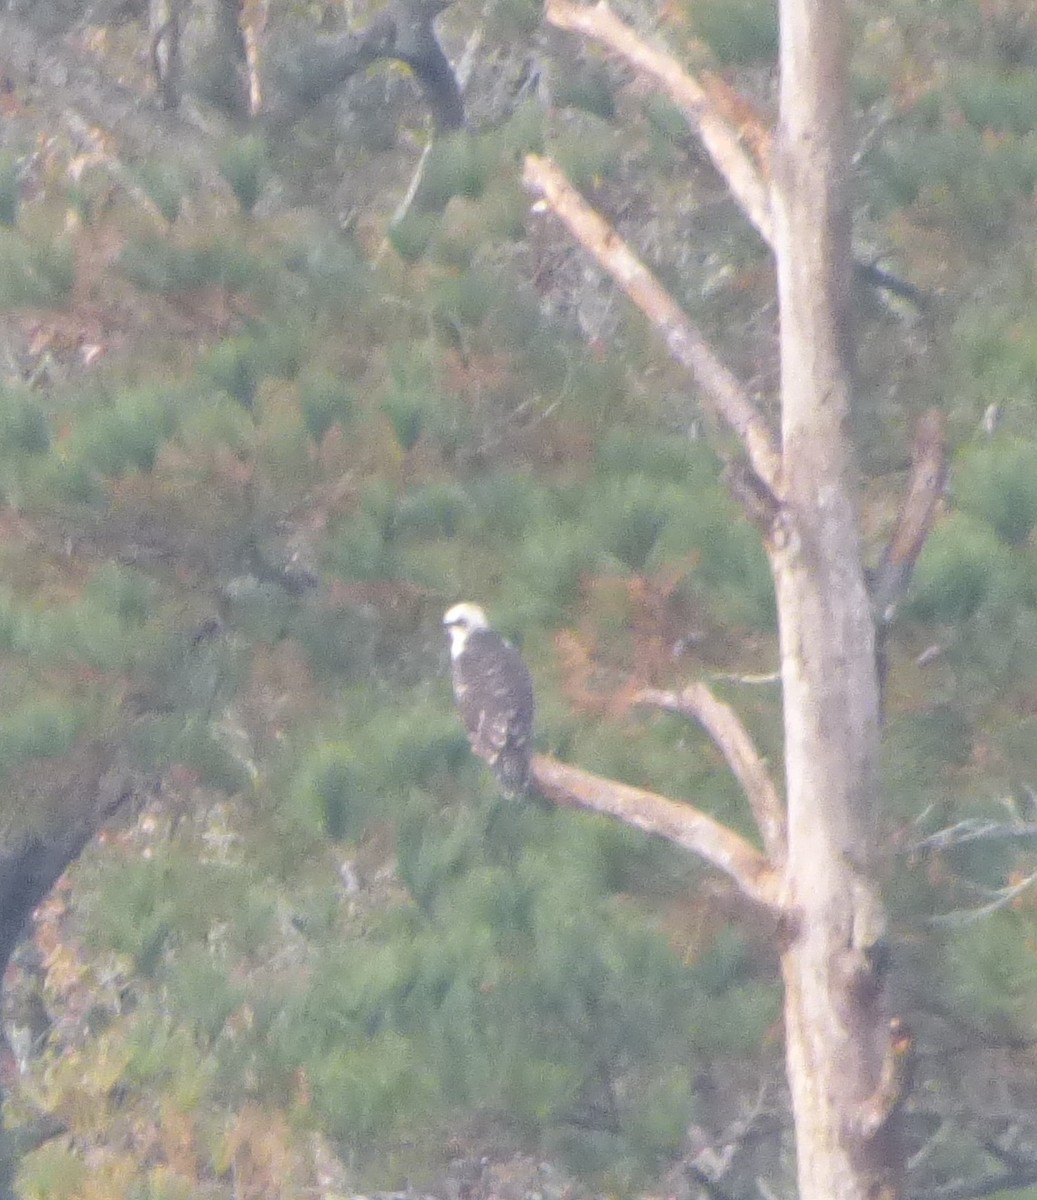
460	620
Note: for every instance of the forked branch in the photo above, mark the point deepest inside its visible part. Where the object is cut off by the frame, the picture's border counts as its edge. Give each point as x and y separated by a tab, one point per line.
726	124
722	393
719	138
682	824
732	739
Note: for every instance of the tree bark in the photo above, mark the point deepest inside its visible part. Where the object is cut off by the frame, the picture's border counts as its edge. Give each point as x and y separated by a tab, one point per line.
837	1034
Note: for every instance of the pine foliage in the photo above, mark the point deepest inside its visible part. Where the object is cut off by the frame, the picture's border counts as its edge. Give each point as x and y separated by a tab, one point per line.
248	463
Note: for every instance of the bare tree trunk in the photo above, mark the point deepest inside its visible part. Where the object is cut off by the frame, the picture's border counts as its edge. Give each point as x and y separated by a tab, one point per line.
836	1031
847	1059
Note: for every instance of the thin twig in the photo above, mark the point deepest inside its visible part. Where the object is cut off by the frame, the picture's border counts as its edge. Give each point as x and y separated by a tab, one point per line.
766	677
974	829
1002	898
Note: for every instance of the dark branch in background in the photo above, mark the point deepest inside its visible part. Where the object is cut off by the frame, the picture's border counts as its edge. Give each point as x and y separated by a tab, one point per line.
68	83
404	32
416	44
93	790
878	277
93	785
25	1138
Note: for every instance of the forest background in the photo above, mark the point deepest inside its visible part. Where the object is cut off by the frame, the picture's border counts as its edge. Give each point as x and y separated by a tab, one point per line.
278	386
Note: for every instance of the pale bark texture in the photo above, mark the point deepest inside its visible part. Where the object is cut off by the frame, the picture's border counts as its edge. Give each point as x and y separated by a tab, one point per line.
847	1057
837	1034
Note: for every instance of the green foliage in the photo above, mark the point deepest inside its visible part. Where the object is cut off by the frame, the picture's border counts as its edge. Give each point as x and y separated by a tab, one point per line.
468	298
996	356
24	428
523	132
332	268
325	400
279	346
331	792
406	409
918	751
956	174
152	909
10	190
962	566
201	993
456	166
89	631
738	31
554	559
662	456
124	435
124	593
667	124
507	503
997	101
165	187
361	549
435	510
630	515
411	234
236	367
38	729
588	154
340	643
368	1087
996	481
34	273
54	1172
244	165
588	86
519	987
511	19
992	971
158	265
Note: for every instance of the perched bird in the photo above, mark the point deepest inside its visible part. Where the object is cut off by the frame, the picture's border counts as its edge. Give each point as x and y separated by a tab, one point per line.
494	695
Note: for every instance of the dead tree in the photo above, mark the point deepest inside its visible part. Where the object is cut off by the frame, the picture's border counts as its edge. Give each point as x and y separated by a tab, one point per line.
847	1054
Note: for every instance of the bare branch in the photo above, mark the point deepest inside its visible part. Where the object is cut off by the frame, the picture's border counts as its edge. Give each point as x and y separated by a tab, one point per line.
719	138
1001	898
682	824
732	739
917	513
726	125
754	680
974	829
721	390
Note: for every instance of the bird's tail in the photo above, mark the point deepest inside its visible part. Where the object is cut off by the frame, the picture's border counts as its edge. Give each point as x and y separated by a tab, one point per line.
512	770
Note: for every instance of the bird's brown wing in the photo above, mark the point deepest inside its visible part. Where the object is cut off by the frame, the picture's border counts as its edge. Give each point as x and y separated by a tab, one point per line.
494	695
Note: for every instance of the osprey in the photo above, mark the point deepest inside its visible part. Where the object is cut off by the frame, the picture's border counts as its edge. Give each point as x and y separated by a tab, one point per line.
494	695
